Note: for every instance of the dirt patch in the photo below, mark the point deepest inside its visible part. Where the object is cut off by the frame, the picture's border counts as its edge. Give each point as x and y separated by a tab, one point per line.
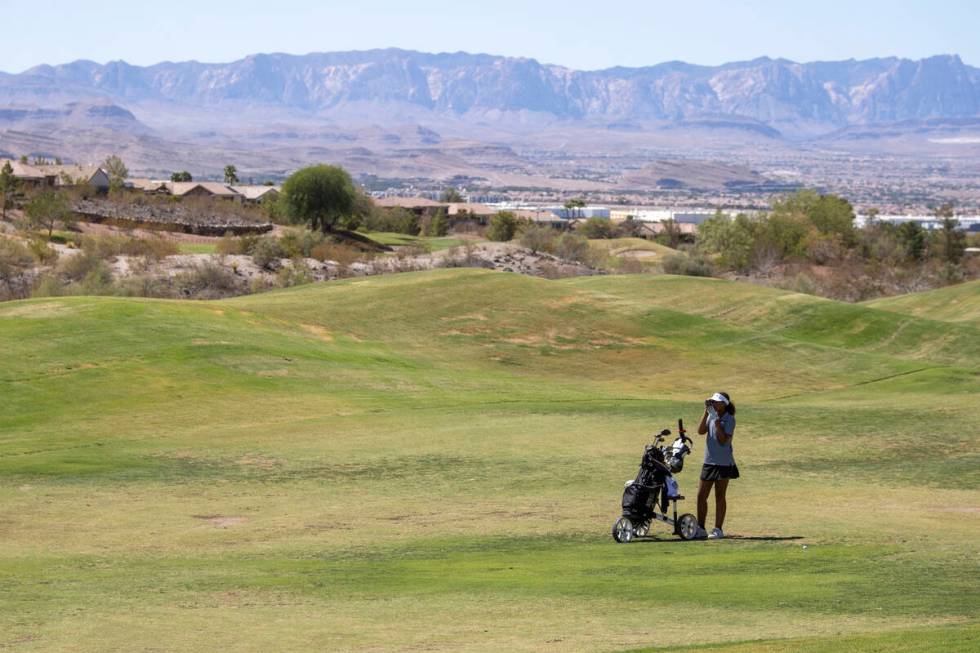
480	317
317	331
221	521
39	311
636	253
273	373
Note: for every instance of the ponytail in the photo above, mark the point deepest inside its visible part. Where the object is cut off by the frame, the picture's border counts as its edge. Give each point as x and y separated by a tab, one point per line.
730	408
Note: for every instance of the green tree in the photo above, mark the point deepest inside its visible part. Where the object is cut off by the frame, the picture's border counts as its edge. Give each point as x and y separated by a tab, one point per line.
452	196
321	196
503	226
8	186
49	209
23	159
437	224
731	240
116	169
231	174
539	238
595	228
573	208
912	239
830	214
951	240
670	234
781	237
183	175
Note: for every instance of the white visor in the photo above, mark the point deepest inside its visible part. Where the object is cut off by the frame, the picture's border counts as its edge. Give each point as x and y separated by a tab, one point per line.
719	397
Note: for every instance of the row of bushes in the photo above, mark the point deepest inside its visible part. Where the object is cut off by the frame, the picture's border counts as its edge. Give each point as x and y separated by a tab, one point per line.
807	227
267	251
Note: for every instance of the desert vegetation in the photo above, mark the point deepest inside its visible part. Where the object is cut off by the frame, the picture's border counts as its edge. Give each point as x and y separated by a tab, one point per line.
809	243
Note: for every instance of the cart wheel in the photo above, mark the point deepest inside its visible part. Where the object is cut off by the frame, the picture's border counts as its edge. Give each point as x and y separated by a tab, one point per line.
622	530
687	526
643	529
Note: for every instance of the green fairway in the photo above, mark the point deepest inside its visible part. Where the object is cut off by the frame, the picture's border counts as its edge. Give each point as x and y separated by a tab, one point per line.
432	244
959	303
433	461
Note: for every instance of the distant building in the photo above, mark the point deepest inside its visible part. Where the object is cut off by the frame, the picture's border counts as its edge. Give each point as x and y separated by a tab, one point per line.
579	212
970	224
28	174
202	189
418	205
257	194
543	218
641	215
76	175
691	217
473	209
148	185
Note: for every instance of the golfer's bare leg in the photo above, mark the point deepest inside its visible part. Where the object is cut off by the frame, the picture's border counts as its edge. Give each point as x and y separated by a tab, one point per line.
704	490
721	501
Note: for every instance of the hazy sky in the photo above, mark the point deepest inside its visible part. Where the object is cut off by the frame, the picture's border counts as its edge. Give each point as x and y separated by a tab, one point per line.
583	35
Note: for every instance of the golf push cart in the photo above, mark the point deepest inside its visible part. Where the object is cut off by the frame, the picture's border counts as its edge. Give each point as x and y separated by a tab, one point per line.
654	487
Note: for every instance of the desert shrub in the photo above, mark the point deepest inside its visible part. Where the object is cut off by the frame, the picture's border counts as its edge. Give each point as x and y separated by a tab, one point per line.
692	266
340	254
15	265
598	228
14	255
101	247
144	285
77	267
824	248
267	253
42	252
463	256
295	274
396	220
411	250
539	239
48	285
230	244
262	284
294	243
155	248
97	281
503	227
207	281
572	247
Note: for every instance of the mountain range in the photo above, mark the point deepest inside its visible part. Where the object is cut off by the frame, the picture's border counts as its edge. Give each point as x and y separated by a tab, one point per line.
299	106
781	94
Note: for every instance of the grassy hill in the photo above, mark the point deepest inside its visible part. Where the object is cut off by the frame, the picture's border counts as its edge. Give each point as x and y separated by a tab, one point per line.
645	253
433	460
959	303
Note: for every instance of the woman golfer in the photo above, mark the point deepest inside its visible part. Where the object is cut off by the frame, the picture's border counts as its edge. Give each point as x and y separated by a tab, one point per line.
718	422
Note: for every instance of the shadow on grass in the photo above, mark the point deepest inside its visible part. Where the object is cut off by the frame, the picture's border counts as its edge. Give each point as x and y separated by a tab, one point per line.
749	538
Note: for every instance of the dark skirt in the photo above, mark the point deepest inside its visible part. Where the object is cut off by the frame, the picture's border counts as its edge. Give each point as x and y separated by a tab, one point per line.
718	472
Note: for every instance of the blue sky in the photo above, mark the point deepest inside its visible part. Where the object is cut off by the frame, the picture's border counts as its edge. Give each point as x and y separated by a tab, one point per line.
582	35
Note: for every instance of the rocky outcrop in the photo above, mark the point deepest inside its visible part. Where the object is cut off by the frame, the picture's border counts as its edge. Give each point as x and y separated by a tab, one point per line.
169	217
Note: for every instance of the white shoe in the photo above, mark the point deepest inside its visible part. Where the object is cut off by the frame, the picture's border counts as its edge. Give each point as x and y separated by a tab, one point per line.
716	534
701	534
